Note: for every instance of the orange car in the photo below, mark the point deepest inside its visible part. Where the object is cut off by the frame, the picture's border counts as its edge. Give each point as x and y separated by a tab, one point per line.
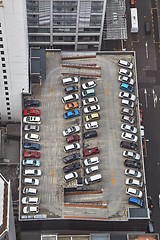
72	105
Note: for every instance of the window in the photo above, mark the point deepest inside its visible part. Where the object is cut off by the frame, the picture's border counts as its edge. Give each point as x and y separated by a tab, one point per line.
6	93
3	65
9	118
1	39
6	88
7	103
5	82
3	59
1	45
7	98
4	71
8	108
8	113
5	77
0	31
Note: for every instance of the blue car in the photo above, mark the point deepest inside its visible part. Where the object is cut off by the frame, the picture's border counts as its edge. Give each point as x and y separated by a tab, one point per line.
126	87
135	201
32	146
71	114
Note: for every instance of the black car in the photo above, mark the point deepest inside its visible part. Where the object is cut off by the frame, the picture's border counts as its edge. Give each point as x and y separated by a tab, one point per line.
90	134
132	164
150	204
71	89
71	158
32	103
71	167
129	145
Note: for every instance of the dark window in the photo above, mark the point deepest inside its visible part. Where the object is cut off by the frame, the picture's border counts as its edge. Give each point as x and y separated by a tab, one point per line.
8	113
1	45
7	103
4	71
3	65
2	52
3	59
9	118
1	39
6	88
5	82
8	108
5	77
7	98
6	93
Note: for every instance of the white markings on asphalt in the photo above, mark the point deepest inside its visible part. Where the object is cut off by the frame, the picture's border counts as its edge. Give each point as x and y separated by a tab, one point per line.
155	98
146	47
145	95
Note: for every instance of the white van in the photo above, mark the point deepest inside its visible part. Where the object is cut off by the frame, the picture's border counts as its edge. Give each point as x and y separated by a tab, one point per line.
30	181
30	191
92	179
126	64
70	98
91	169
125	72
30	200
71	176
70	80
71	147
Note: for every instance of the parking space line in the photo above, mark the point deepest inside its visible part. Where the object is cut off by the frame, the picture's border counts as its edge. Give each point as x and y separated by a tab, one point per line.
112	179
51	90
107	90
52	172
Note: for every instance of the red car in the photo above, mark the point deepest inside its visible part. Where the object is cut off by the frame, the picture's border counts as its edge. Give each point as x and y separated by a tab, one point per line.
31	112
31	154
90	151
73	138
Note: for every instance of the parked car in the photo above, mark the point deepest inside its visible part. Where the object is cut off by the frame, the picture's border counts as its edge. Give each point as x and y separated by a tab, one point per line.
32	120
92	169
30	191
134	192
71	89
90	134
32	137
126	87
70	98
92	117
91	125
31	146
71	158
90	100
33	128
30	200
129	137
133	173
32	172
30	181
127	111
90	151
93	179
150	227
73	138
70	80
70	130
150	204
126	64
129	128
71	167
71	176
30	210
128	119
133	182
132	164
90	84
91	161
93	108
71	114
127	103
125	72
132	155
31	112
88	92
127	96
31	163
126	79
72	105
32	103
31	154
72	147
129	145
135	201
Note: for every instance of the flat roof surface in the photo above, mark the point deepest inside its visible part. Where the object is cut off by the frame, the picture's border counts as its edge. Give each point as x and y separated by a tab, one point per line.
105	200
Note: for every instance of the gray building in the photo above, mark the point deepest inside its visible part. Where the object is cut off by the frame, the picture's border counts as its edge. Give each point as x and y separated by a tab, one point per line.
67	25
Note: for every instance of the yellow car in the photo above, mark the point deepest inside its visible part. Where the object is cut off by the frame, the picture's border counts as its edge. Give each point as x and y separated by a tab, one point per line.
72	105
92	117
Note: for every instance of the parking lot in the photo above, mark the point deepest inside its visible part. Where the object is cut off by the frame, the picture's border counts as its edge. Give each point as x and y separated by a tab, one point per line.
102	200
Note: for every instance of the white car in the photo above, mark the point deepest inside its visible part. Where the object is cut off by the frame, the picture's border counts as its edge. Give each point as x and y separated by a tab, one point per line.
92	169
93	108
72	147
90	84
32	172
125	72
91	125
129	128
128	119
132	155
30	181
127	111
126	79
32	120
142	131
127	95
133	182
91	161
129	137
126	64
33	128
70	130
32	137
30	200
133	173
134	192
71	176
127	103
90	100
30	210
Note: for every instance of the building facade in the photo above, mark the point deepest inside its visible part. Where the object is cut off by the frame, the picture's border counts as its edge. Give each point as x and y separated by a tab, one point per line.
13	58
67	25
